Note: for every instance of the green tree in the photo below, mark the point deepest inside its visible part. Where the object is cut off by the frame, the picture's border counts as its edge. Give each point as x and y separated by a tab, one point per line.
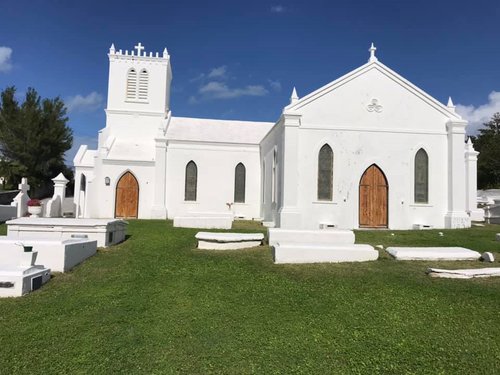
488	144
34	137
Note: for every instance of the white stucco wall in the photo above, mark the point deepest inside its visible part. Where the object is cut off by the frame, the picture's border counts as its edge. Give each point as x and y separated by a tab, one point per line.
396	160
216	167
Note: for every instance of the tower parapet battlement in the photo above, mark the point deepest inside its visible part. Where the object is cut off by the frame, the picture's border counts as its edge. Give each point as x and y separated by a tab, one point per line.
138	53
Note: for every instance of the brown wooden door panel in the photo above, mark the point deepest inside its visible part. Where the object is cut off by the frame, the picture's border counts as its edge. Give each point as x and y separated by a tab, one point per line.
373	199
127	197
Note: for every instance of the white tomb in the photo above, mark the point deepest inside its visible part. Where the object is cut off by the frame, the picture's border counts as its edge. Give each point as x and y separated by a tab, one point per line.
228	241
464	273
18	273
58	255
106	232
318	246
205	220
433	253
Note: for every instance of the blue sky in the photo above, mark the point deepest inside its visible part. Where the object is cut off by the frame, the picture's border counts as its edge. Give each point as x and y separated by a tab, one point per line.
240	60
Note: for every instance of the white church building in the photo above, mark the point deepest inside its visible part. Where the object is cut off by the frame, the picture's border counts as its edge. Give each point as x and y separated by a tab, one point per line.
368	150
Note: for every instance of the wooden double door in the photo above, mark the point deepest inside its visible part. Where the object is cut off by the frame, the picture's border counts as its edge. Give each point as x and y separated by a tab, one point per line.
127	197
373	199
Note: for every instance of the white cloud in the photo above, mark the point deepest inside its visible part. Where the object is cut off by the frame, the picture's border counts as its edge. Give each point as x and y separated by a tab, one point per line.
220	72
79	140
275	85
5	55
89	103
215	73
278	9
480	114
218	90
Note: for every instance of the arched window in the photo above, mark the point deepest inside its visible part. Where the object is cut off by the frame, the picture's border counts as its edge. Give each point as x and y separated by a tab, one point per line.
83	183
131	84
191	181
325	173
263	181
239	183
421	177
142	93
274	176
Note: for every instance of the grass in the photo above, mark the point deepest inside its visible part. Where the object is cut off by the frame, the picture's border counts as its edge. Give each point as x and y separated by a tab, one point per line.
154	304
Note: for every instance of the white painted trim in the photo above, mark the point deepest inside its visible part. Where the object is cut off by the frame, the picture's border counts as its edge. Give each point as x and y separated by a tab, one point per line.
120	162
372	130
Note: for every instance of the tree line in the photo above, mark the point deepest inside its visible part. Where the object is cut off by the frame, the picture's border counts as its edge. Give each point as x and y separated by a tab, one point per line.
34	136
487	143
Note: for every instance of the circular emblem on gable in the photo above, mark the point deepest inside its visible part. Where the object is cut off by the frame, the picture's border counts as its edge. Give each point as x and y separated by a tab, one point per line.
374	106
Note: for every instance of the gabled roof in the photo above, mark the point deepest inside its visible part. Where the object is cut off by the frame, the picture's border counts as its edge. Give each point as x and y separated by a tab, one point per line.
391	74
217	131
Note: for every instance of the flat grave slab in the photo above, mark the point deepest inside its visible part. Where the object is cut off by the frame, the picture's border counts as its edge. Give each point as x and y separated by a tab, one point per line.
433	253
228	241
106	232
464	273
313	237
204	222
294	253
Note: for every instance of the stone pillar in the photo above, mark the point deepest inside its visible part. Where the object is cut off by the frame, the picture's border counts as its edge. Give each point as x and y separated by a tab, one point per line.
289	214
60	183
159	209
456	217
476	214
54	207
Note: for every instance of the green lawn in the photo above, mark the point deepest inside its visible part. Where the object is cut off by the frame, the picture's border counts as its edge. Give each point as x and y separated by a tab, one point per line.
155	305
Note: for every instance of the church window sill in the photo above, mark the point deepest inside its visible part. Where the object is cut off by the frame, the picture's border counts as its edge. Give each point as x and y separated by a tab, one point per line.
324	202
137	101
421	205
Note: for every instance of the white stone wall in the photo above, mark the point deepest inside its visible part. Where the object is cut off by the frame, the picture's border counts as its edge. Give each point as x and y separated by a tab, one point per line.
216	167
394	153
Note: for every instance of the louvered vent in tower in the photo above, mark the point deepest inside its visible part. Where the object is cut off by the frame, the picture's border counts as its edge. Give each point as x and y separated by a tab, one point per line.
142	93
131	84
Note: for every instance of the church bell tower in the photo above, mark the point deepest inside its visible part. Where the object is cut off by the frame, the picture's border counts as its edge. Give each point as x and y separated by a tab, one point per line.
139	81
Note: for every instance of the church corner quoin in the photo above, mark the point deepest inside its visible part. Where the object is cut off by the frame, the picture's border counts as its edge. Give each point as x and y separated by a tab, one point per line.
368	150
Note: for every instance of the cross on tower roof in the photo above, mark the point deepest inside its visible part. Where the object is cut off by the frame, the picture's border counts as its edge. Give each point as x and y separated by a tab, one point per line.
139	47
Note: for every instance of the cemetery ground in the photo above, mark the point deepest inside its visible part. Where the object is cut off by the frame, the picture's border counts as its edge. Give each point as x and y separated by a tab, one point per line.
154	304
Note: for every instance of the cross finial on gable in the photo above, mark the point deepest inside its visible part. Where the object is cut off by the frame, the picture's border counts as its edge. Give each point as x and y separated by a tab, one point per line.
139	47
294	98
372	53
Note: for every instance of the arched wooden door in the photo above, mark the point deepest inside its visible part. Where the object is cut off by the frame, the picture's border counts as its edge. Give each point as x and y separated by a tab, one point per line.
373	199
127	197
